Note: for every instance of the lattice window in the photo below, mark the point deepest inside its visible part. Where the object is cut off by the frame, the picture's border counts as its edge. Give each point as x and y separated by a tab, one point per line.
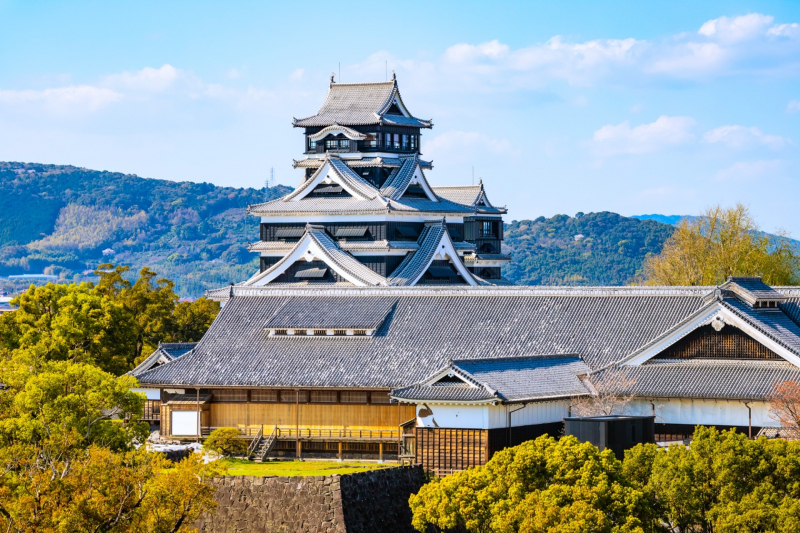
323	396
226	395
264	396
379	397
706	343
290	396
354	396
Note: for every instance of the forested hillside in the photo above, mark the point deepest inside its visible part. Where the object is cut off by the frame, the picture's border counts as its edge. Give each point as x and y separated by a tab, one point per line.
64	220
587	249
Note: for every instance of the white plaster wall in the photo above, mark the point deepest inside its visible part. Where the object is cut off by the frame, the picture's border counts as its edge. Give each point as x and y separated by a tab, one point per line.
453	416
151	394
532	413
706	412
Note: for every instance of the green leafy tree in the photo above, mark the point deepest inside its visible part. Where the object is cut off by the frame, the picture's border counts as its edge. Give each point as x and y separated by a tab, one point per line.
705	250
226	441
543	485
68	460
114	324
723	482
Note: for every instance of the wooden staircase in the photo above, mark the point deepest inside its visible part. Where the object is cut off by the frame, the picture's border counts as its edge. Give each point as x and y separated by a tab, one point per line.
262	445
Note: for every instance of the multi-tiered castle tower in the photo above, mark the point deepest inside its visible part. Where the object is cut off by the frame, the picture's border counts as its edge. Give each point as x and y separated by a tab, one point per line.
365	213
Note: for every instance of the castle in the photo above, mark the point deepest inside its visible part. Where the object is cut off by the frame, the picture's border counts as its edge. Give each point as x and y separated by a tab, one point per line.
379	323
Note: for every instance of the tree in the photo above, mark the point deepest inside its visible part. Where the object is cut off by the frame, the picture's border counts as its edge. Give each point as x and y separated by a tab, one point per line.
542	485
610	395
722	482
68	433
114	324
784	404
226	441
705	250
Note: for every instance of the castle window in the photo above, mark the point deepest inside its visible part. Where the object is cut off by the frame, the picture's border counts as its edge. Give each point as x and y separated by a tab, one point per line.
387	140
331	143
487	229
344	143
413	142
353	396
371	141
323	396
290	396
405	142
396	144
312	145
263	396
379	397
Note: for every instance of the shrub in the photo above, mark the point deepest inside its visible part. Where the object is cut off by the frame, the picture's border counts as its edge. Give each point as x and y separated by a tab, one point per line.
226	441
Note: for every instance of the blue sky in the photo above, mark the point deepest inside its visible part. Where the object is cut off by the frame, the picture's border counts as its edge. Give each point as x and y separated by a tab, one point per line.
633	107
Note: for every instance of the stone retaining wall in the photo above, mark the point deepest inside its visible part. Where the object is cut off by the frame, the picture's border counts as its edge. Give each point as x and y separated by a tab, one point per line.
375	500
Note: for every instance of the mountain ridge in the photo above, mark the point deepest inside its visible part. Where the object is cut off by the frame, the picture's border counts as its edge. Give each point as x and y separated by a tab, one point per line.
65	221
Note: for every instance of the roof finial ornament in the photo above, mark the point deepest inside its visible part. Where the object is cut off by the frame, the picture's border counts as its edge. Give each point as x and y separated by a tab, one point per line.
230	294
333	78
394	76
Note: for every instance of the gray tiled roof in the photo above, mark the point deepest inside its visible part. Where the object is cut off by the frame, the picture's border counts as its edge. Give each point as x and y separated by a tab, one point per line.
703	378
331	313
427	327
349	132
398	181
414	265
166	352
751	289
774	323
360	104
453	392
333	256
351	181
365	162
508	379
469	195
349	205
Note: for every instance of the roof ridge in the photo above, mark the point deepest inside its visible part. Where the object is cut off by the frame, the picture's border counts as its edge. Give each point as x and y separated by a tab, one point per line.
517	358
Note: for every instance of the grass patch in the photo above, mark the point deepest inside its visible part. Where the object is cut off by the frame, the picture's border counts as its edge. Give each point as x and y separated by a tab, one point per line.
241	467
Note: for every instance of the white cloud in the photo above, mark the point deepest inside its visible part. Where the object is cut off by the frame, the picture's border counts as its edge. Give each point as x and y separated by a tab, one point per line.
785	30
297	75
624	139
63	100
742	137
794	106
736	29
750	170
147	79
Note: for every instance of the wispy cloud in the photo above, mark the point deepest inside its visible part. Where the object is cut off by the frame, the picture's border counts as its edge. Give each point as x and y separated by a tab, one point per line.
147	79
742	137
624	139
63	100
794	106
743	171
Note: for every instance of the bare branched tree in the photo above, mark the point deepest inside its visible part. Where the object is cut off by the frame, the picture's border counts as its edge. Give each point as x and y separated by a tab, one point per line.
610	395
784	406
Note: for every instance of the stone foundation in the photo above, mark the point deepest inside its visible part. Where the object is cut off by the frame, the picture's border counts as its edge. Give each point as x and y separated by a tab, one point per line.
375	500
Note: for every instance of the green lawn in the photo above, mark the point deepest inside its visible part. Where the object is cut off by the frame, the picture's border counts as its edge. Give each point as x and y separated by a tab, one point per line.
240	467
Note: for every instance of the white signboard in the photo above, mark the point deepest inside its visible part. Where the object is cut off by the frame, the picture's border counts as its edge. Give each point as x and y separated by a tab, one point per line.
184	423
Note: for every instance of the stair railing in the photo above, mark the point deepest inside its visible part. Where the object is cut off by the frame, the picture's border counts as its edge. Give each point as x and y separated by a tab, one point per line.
256	440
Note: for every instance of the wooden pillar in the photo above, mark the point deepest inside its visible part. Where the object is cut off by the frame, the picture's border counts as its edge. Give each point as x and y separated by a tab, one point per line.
341	456
199	418
297	421
299	450
380	452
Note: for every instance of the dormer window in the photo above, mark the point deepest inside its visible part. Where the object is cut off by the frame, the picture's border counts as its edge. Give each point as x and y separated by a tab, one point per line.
312	145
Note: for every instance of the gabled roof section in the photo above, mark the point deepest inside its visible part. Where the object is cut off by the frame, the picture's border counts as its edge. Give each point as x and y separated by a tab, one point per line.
361	104
700	378
434	243
473	196
336	129
334	170
408	174
165	353
771	327
753	291
507	379
316	244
